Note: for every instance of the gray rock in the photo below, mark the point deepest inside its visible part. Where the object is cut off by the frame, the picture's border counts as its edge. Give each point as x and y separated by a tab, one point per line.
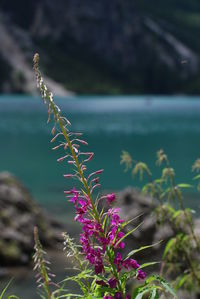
19	213
135	205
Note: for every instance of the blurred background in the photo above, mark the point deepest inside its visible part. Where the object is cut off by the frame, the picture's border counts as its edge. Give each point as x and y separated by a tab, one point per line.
126	74
96	47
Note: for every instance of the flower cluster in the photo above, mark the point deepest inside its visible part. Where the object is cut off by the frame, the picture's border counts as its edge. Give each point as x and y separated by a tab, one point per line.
97	240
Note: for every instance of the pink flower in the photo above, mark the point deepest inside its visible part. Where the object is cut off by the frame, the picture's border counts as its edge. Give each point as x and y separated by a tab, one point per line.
110	198
99	268
118	261
113	211
118	295
141	275
112	283
75	197
117	243
131	263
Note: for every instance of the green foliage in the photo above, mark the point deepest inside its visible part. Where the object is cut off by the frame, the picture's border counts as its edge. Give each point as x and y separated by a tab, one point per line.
134	251
3	292
152	289
126	159
181	256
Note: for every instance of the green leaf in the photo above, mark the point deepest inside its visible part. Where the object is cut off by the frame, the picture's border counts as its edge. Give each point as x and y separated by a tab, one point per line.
129	233
104	221
196	177
101	213
148	264
142	248
168	288
68	296
166	285
139	292
5	289
150	279
124	224
177	213
185	186
154	294
158	181
170	243
181	281
126	276
142	290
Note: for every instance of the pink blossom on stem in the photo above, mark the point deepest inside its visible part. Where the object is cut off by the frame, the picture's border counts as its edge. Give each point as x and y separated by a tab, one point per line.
110	198
141	275
118	295
112	283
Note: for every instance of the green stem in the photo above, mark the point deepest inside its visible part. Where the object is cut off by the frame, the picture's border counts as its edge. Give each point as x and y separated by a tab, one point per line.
114	270
46	282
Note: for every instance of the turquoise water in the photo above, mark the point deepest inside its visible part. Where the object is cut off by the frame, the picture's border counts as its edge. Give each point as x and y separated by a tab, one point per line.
140	125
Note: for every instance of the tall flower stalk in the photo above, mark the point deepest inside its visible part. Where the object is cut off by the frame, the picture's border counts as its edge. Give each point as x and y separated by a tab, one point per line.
43	276
102	237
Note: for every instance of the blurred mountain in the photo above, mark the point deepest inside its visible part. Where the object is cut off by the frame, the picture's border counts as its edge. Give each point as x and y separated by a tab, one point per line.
115	46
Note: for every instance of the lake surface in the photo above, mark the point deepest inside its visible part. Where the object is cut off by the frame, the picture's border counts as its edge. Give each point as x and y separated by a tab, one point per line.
140	125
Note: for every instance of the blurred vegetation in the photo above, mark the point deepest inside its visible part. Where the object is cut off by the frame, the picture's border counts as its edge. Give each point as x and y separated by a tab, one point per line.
181	255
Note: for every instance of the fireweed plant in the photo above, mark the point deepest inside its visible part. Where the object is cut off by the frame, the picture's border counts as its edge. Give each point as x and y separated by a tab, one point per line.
103	271
181	257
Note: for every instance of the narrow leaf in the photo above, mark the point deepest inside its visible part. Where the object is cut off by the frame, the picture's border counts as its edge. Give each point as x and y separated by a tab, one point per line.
142	248
196	177
165	285
129	233
168	246
185	186
131	220
148	264
5	289
154	294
